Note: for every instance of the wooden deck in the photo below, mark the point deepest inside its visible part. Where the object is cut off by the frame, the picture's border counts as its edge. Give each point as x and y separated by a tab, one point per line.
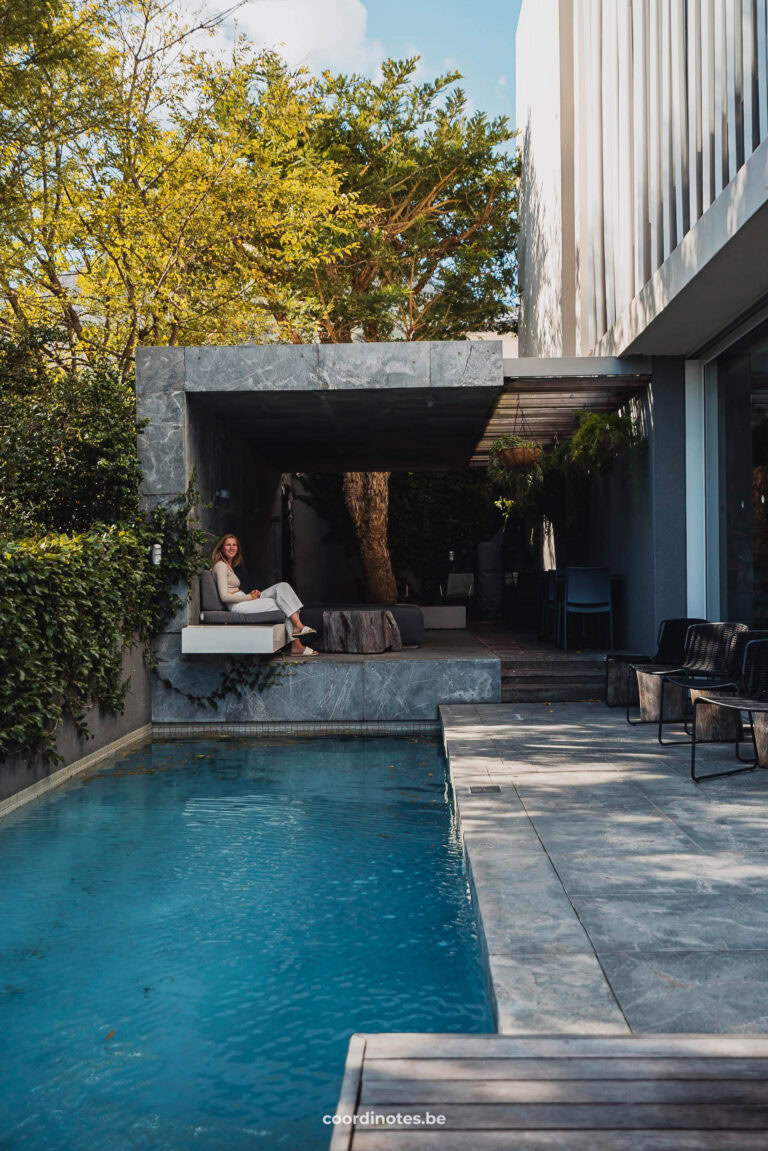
634	1093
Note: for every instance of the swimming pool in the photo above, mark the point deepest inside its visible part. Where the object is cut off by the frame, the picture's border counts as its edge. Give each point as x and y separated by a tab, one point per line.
190	935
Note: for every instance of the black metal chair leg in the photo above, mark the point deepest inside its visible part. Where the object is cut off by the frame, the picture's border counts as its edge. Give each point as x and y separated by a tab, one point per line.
717	774
739	756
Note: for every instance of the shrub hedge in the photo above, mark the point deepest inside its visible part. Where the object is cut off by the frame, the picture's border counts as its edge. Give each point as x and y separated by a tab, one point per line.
69	604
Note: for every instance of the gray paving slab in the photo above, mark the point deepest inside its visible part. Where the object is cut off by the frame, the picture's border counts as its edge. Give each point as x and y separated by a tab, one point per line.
656	921
555	994
600	862
691	991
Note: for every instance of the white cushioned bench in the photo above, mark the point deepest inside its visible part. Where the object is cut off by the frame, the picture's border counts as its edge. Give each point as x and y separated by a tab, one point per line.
222	632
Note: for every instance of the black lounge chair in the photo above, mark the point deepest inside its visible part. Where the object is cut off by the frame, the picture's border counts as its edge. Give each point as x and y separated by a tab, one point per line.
753	701
670	652
712	660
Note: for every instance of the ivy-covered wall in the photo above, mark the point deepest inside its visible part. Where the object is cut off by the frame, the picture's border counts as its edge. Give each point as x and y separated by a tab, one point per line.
18	772
69	607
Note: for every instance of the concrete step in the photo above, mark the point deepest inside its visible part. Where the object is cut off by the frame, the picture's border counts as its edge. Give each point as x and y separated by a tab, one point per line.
549	693
565	669
561	680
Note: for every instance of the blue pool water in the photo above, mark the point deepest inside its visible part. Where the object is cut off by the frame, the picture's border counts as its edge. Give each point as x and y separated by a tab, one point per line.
188	938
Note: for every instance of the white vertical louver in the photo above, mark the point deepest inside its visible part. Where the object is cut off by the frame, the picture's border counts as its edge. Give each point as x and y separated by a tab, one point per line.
670	100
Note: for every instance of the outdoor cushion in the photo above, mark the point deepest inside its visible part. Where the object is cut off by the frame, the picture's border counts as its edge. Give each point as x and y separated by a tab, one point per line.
407	616
209	593
240	618
212	610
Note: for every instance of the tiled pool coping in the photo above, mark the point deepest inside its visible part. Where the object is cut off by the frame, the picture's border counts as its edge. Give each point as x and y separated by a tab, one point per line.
543	973
280	727
62	774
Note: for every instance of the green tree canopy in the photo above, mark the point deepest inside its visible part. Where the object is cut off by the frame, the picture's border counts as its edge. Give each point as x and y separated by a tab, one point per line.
155	194
434	256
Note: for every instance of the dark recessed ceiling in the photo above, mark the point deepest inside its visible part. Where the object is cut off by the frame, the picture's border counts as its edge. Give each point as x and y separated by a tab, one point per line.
384	429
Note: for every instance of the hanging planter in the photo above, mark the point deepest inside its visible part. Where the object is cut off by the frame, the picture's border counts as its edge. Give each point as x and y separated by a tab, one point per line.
522	455
515	473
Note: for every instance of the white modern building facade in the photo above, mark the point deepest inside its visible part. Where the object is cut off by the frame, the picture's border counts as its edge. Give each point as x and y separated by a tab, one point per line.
644	231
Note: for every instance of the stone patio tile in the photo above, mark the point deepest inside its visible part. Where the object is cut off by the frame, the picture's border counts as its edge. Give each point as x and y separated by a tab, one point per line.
610	875
534	918
576	783
554	995
732	921
720	822
620	796
588	872
692	991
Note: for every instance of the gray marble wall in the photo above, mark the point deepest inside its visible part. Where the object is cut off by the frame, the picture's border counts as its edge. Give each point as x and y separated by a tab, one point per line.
324	367
324	689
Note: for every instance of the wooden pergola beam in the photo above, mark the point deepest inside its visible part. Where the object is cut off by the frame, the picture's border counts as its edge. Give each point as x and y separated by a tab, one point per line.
548	403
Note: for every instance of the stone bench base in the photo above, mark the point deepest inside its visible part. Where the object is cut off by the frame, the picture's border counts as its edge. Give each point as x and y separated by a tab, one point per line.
232	639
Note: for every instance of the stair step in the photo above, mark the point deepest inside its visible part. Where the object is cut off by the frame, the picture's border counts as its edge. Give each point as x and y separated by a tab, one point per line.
555	670
543	693
586	682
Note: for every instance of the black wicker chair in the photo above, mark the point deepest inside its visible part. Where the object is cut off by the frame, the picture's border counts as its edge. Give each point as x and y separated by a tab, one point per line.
753	701
711	661
670	652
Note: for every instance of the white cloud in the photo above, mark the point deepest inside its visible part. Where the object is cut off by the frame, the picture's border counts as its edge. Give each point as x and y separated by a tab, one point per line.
502	82
316	33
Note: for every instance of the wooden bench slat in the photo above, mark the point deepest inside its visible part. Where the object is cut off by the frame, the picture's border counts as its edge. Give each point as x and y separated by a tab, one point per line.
376	1070
558	1141
403	1046
404	1093
592	1116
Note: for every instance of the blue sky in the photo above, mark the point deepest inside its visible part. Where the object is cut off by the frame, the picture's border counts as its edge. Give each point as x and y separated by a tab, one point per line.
475	37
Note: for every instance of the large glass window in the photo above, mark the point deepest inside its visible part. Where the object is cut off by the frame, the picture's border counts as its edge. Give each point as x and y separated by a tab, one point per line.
743	480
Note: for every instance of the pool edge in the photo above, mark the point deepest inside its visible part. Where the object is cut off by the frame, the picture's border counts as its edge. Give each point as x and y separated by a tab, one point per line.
63	774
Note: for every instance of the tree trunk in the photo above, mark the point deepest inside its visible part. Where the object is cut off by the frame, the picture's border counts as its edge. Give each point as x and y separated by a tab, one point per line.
367	499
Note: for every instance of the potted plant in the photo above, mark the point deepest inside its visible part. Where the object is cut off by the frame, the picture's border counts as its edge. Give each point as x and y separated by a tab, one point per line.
515	473
600	438
516	451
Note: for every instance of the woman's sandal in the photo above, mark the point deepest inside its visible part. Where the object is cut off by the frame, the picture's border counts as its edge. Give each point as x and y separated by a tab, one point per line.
307	651
305	631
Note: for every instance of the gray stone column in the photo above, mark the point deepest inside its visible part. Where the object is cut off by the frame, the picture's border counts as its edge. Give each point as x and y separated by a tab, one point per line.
162	447
160	399
667	476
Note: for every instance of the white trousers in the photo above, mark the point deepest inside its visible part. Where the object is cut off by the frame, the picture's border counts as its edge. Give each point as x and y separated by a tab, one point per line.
278	597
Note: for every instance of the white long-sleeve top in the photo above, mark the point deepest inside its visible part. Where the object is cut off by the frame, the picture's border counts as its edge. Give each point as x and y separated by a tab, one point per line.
227	583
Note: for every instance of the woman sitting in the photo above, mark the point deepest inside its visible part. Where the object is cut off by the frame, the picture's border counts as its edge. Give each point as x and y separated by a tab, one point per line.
279	597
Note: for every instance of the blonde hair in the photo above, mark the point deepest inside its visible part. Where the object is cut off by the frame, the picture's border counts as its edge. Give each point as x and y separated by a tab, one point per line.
218	552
